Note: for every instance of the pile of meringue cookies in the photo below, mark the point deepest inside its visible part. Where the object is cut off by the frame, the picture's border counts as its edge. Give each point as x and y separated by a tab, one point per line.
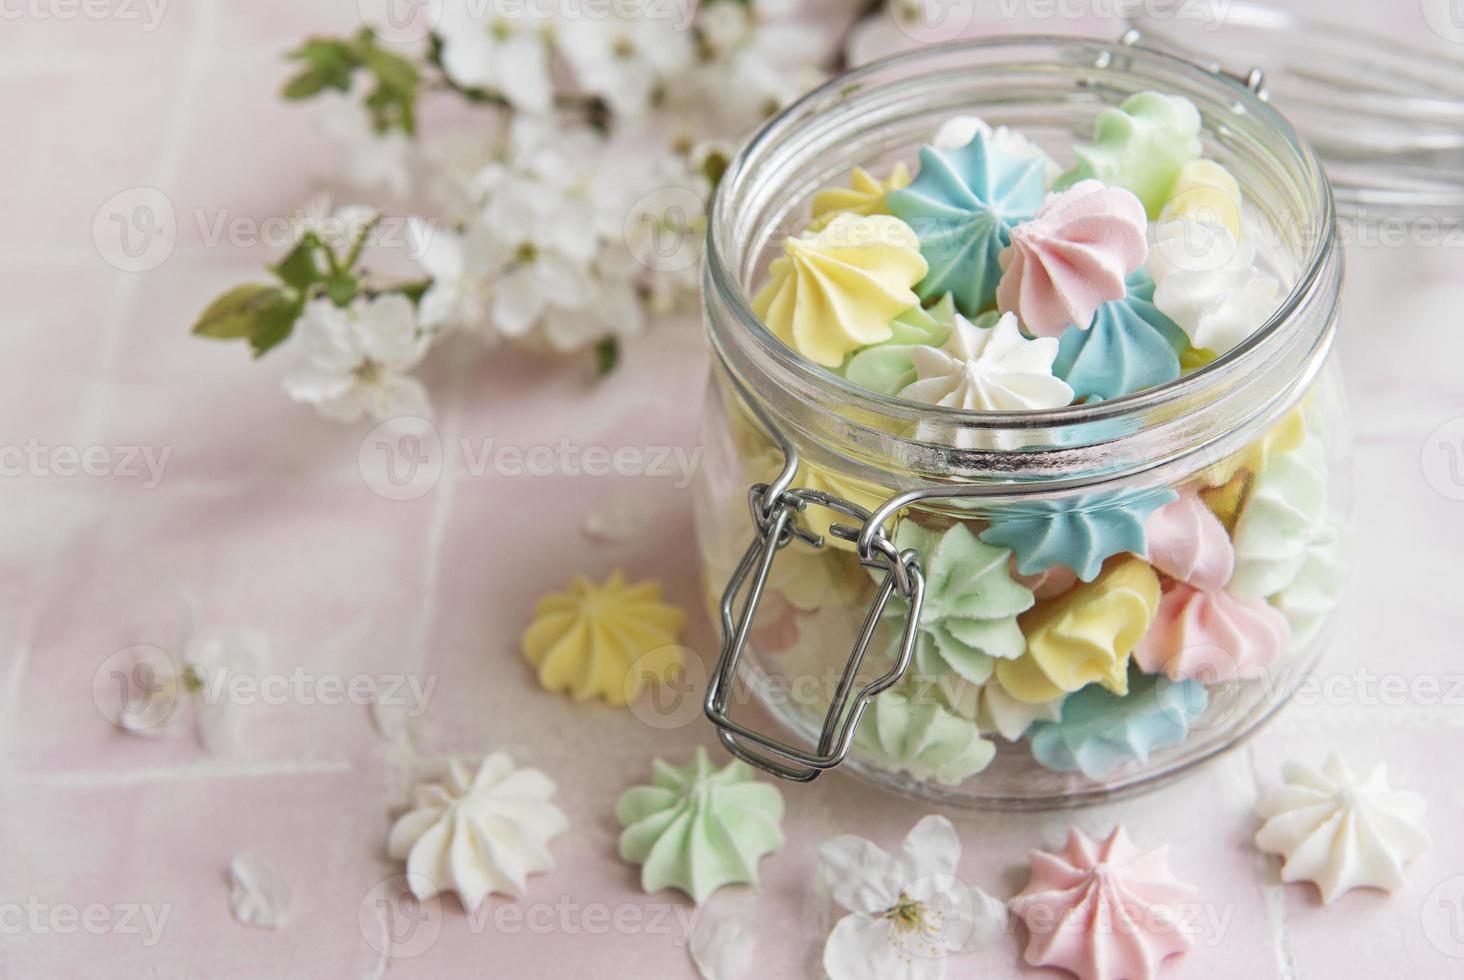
1094	626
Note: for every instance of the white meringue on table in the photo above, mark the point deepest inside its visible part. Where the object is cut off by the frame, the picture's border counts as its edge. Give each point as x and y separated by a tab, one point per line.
477	834
1208	284
1340	832
983	369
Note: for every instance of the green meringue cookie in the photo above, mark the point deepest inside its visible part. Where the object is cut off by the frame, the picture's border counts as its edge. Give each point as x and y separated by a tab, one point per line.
697	827
916	733
971	603
887	367
1317	588
1140	146
1283	515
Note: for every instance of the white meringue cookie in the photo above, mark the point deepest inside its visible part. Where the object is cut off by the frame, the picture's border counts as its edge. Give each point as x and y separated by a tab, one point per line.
1207	283
985	370
957	131
1340	832
477	834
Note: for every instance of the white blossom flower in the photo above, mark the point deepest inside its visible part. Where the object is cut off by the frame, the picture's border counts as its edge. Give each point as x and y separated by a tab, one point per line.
613	307
372	159
356	359
626	60
460	266
908	912
499	46
164	690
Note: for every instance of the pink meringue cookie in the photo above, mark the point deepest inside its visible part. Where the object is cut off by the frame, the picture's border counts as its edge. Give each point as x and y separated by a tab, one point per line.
1104	911
1187	541
1047	583
1211	636
1072	257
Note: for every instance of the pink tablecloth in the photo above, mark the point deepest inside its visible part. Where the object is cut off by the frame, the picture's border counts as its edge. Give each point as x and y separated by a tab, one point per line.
116	847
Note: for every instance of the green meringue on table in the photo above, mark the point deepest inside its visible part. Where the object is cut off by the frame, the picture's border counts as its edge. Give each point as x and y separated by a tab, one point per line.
697	827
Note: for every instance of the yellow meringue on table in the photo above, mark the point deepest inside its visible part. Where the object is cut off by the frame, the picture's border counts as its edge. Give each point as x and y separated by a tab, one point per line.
837	289
604	640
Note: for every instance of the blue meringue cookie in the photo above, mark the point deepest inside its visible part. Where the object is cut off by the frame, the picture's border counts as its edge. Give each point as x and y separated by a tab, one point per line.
1079	532
1128	347
1100	731
963	206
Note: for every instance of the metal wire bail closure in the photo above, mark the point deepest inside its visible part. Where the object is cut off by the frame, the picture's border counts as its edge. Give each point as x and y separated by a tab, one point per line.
773	509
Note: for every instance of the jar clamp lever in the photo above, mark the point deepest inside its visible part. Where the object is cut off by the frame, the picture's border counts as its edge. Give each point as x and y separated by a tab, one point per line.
773	509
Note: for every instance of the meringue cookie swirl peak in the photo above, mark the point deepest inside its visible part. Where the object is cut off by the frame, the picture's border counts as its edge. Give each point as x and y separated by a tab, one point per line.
1073	257
980	369
837	289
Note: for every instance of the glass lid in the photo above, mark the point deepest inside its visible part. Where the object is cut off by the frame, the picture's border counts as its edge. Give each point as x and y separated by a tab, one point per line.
1387	118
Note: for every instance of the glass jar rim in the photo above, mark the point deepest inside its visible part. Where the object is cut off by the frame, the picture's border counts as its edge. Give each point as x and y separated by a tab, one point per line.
718	274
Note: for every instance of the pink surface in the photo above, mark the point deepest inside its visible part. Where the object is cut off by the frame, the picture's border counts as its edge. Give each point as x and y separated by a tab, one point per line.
263	515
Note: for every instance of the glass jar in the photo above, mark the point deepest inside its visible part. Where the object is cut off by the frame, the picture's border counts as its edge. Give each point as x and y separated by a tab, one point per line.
826	511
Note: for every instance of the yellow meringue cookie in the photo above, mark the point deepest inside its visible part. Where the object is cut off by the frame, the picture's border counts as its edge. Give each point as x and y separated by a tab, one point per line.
1282	437
1084	635
1205	191
604	640
837	289
864	195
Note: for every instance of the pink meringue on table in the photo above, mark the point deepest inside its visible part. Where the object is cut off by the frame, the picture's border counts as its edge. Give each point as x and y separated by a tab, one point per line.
1187	541
1212	636
1072	257
1106	911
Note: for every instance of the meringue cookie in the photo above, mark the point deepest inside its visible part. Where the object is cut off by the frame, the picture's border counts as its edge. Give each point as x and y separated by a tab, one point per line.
1104	911
604	640
1129	346
1281	438
1283	512
1340	832
1205	191
864	195
1047	583
985	370
997	711
1207	283
916	733
1141	146
957	131
1079	532
477	834
837	289
1084	636
887	367
969	618
1100	731
697	827
1072	257
1212	636
1188	542
963	205
1317	588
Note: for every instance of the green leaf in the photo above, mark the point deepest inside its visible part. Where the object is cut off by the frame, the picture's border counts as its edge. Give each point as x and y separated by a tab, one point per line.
298	269
236	313
276	324
341	288
607	355
328	64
